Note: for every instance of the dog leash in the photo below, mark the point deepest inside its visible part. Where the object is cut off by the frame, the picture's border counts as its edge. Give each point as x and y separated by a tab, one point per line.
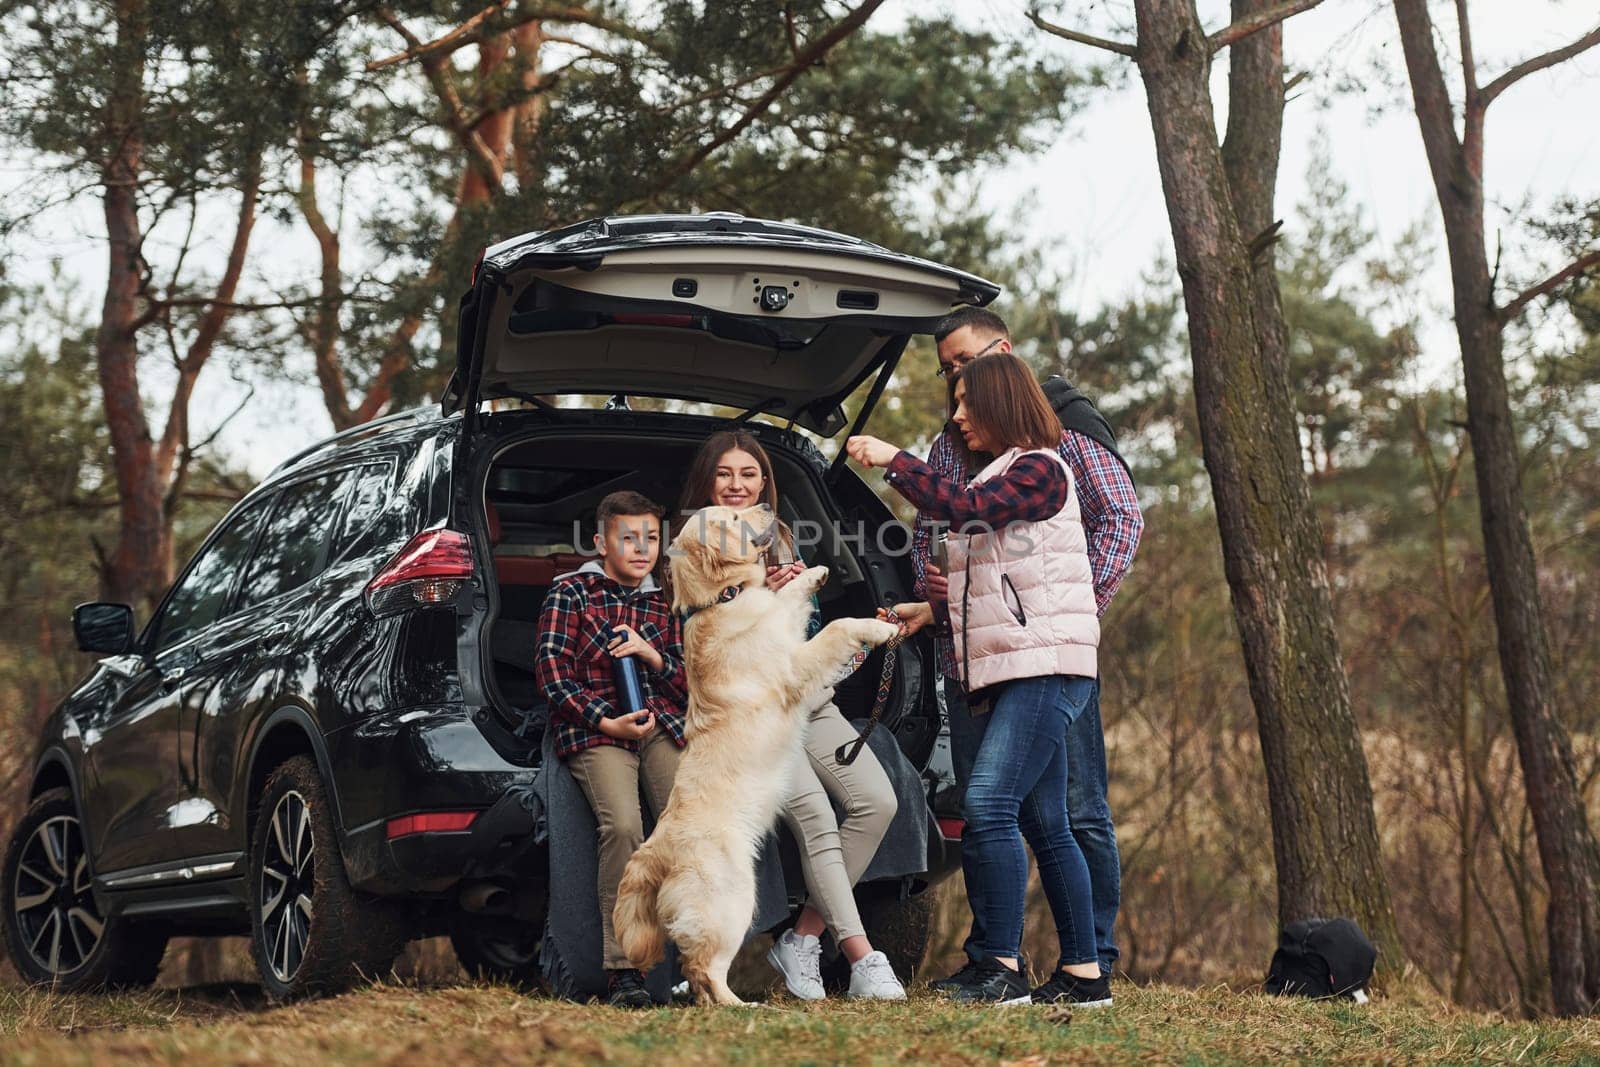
846	753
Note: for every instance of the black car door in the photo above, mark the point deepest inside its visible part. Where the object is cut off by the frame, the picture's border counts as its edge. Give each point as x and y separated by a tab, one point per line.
132	795
253	661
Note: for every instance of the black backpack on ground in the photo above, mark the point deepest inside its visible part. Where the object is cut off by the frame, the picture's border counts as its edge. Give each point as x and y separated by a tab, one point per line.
1322	958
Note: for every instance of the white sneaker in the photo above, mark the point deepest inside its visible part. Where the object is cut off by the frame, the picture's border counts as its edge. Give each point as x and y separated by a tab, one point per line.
871	978
799	960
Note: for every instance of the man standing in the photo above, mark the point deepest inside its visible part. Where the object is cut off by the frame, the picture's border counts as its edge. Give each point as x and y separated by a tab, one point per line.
1113	523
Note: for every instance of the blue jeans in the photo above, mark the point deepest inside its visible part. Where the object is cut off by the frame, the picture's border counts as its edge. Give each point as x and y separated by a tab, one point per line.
1087	810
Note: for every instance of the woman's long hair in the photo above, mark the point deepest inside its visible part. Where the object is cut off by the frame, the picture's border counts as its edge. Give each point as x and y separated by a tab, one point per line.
1005	404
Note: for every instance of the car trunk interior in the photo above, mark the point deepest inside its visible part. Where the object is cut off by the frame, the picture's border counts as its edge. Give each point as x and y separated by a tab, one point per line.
540	499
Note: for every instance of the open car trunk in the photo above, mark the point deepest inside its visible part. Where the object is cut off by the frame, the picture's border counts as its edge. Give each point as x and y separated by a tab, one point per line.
540	497
761	316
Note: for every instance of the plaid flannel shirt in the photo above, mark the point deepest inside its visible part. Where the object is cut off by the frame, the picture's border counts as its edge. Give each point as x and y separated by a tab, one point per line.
1112	519
1031	490
574	668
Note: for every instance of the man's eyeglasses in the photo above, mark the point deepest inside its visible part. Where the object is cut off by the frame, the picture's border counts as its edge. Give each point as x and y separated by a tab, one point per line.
947	369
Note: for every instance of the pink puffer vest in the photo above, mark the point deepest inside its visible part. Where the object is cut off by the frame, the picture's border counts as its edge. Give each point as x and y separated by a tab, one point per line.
1031	609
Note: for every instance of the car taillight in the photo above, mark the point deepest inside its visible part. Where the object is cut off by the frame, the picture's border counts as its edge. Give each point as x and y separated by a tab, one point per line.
951	829
431	822
431	569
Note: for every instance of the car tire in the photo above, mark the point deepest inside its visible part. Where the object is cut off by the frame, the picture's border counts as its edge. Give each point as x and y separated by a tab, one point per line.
54	932
499	948
311	934
899	929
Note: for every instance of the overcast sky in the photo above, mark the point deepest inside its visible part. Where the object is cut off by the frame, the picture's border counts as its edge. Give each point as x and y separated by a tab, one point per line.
1101	213
1097	206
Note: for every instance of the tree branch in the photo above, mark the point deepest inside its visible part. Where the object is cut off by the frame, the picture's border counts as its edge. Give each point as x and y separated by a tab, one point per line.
789	29
1469	65
1472	103
1538	63
175	437
813	54
180	478
721	90
483	24
1584	264
1250	24
460	37
1121	48
483	161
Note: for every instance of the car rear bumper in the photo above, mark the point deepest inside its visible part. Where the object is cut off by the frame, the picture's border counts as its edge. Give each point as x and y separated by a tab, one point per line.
500	842
430	762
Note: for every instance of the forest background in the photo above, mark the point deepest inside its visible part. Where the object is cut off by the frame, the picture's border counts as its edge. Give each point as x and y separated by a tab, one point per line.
235	230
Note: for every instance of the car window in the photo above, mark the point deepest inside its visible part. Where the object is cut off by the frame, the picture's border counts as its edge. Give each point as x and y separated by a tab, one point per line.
292	547
202	594
374	519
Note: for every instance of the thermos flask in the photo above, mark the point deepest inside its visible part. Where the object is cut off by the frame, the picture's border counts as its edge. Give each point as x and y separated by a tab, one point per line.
625	673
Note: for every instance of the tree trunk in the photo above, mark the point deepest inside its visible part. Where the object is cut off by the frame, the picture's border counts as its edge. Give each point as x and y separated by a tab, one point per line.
139	566
530	111
494	129
323	330
1567	848
1324	834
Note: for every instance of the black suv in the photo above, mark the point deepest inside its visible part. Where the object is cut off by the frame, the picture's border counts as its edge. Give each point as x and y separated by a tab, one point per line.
328	736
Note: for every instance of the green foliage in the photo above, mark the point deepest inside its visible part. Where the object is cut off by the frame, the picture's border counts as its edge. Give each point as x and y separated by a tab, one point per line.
57	498
213	79
849	145
1344	368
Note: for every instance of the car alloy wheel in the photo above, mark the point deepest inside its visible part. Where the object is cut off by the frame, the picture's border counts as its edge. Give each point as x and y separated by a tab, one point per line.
288	882
55	909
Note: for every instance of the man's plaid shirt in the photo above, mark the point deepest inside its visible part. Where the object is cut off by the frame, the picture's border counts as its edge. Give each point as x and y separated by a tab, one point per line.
1112	520
574	668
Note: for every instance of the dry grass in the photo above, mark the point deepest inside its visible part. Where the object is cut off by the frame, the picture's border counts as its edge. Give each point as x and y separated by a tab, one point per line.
466	1024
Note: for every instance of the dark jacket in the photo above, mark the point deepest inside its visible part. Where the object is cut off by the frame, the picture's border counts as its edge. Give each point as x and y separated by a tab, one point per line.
1078	413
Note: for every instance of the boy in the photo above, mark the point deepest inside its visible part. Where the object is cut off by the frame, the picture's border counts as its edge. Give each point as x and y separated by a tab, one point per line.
608	750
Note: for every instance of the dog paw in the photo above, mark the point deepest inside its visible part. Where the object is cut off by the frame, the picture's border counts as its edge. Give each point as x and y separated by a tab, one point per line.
809	581
877	632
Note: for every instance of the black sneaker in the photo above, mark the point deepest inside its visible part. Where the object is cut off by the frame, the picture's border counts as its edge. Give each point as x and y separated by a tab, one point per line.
992	982
625	989
957	980
968	970
1067	989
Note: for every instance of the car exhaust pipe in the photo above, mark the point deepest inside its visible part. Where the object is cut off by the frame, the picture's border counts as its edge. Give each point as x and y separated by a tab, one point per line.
486	898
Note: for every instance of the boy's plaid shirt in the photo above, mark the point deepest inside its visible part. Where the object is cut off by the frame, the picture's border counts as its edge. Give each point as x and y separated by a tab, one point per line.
1112	519
574	668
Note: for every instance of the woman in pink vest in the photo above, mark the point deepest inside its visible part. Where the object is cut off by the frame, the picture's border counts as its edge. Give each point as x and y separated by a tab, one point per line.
1022	611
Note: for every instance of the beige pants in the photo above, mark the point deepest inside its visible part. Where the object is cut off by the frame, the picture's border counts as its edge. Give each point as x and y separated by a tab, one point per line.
609	776
834	853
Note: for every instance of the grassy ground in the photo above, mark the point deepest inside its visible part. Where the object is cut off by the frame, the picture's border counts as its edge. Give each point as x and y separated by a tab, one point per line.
459	1025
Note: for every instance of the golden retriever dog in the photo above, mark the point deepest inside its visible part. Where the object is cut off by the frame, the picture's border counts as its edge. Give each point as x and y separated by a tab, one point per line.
751	673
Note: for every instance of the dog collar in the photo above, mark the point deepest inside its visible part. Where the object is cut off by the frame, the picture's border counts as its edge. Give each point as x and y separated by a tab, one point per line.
722	598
